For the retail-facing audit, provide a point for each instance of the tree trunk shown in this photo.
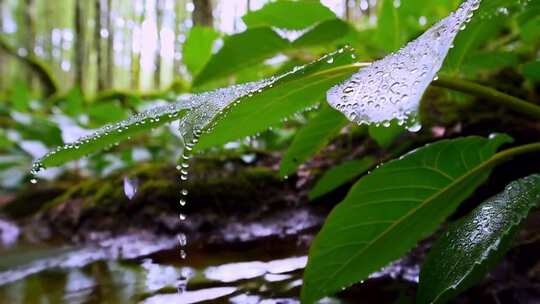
(202, 14)
(136, 56)
(79, 45)
(30, 34)
(100, 80)
(110, 45)
(177, 29)
(3, 76)
(157, 58)
(348, 10)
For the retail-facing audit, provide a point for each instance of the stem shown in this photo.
(509, 153)
(511, 102)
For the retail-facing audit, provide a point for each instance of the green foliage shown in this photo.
(197, 49)
(389, 210)
(339, 175)
(531, 70)
(323, 34)
(471, 246)
(311, 138)
(384, 136)
(286, 14)
(20, 97)
(296, 91)
(389, 32)
(235, 56)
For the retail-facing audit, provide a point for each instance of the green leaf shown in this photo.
(293, 15)
(389, 35)
(486, 61)
(531, 70)
(197, 49)
(241, 51)
(74, 102)
(339, 175)
(312, 138)
(529, 30)
(20, 96)
(110, 135)
(323, 34)
(273, 100)
(294, 92)
(388, 211)
(106, 112)
(384, 136)
(483, 27)
(474, 244)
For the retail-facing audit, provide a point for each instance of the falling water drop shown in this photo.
(130, 187)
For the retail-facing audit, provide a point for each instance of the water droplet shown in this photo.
(130, 187)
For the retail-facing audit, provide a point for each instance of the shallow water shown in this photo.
(246, 274)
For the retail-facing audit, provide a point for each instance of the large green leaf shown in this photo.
(286, 14)
(280, 97)
(340, 175)
(241, 51)
(312, 138)
(197, 49)
(471, 246)
(388, 211)
(294, 92)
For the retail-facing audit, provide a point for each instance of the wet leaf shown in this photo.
(474, 244)
(286, 14)
(312, 138)
(391, 88)
(296, 91)
(388, 211)
(241, 51)
(339, 175)
(110, 135)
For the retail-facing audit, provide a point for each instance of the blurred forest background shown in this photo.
(105, 227)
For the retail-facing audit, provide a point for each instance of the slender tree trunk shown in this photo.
(3, 76)
(348, 10)
(100, 81)
(30, 35)
(110, 45)
(79, 45)
(202, 14)
(136, 56)
(177, 28)
(157, 58)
